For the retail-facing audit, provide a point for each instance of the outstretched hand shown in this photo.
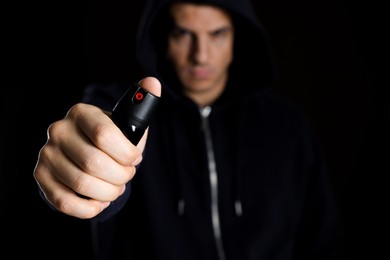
(87, 161)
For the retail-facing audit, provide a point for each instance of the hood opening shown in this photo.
(252, 52)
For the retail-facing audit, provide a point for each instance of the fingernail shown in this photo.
(105, 205)
(137, 161)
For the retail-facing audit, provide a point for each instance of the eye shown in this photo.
(220, 33)
(178, 33)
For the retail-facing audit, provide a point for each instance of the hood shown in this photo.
(252, 68)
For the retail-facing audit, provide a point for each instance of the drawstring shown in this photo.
(237, 174)
(174, 136)
(237, 179)
(238, 207)
(181, 206)
(176, 146)
(178, 169)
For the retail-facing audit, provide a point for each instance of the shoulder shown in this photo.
(103, 95)
(268, 102)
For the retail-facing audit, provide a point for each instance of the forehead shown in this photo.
(200, 16)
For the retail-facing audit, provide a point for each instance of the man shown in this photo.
(227, 170)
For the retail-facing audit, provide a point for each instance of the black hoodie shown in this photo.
(242, 179)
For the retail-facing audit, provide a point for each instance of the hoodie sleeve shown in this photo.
(104, 96)
(320, 234)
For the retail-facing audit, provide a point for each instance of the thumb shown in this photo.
(153, 86)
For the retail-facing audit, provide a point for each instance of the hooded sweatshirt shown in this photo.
(241, 179)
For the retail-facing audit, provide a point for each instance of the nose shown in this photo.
(199, 52)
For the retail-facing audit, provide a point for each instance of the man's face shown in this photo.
(200, 48)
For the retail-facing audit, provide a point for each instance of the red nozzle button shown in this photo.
(138, 97)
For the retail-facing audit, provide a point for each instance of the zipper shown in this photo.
(215, 217)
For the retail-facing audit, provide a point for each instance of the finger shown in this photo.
(95, 162)
(141, 144)
(65, 137)
(104, 134)
(64, 199)
(65, 171)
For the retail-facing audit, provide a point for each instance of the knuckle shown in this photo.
(64, 206)
(92, 162)
(101, 134)
(57, 131)
(76, 110)
(81, 183)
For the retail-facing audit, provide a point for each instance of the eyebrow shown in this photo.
(216, 30)
(223, 29)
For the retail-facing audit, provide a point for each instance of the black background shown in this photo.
(329, 55)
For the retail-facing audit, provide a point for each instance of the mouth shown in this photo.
(199, 73)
